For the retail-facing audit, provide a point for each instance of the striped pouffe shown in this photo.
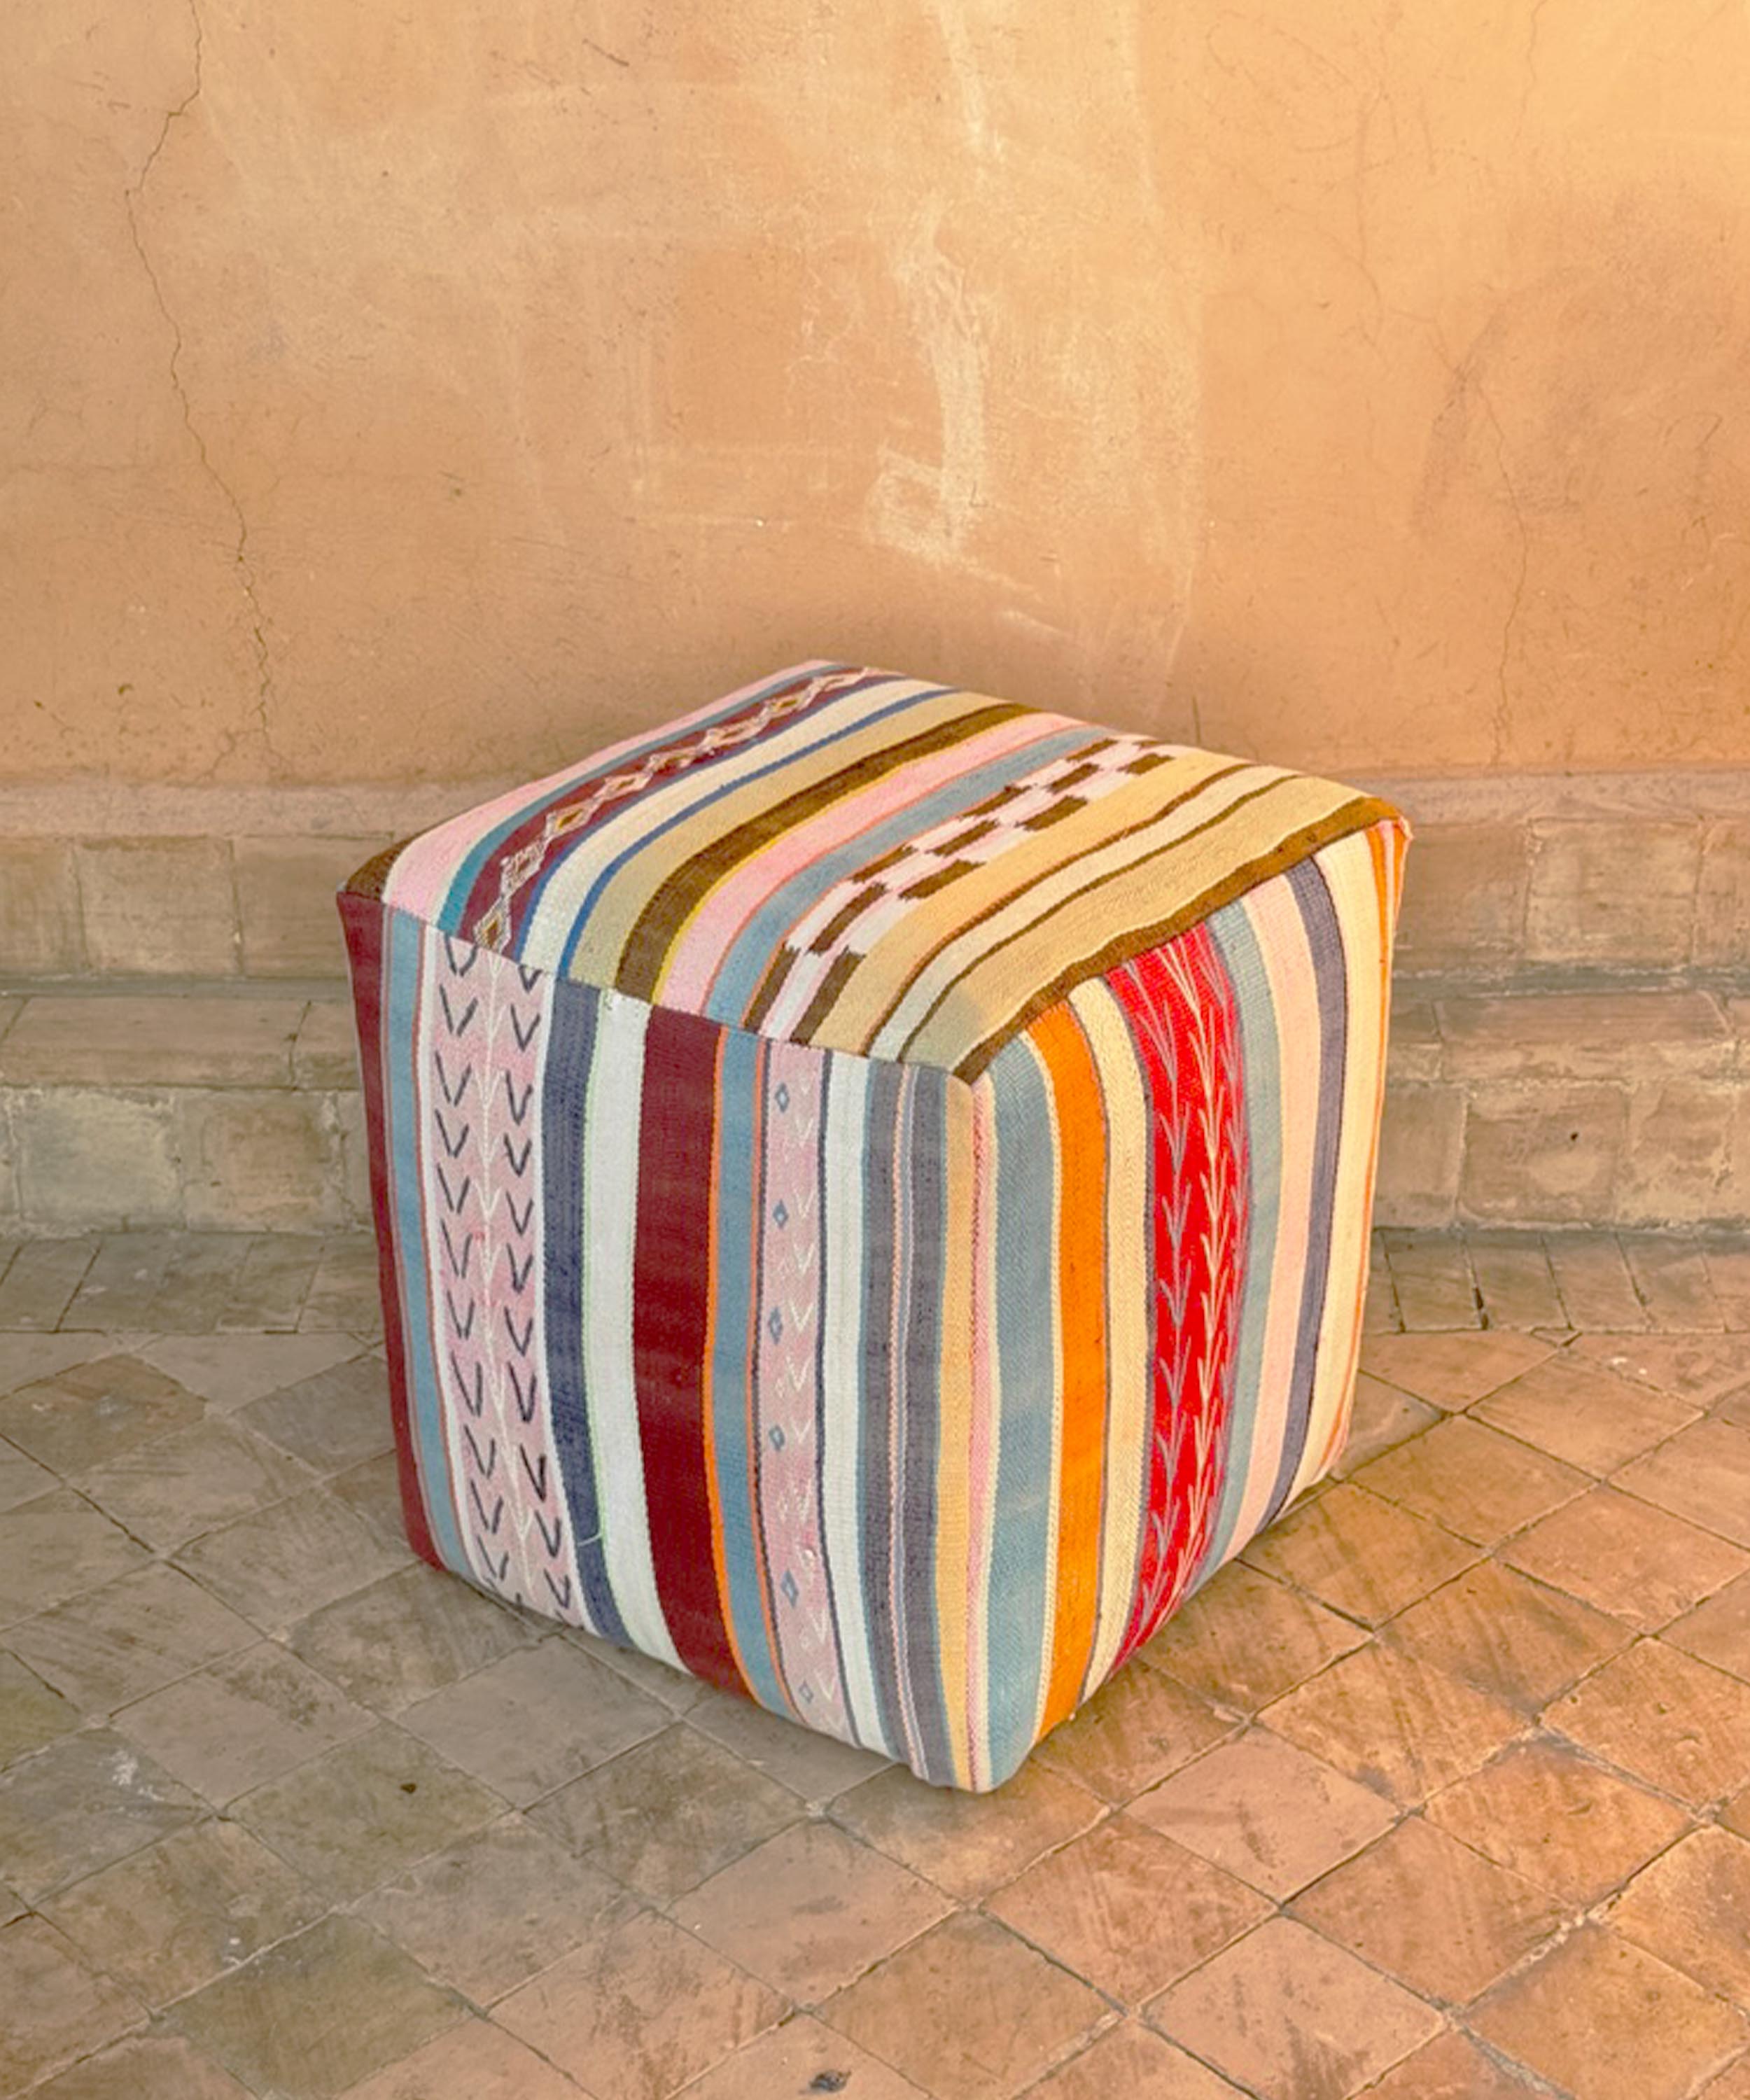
(873, 1185)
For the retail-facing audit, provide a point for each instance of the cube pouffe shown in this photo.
(872, 1184)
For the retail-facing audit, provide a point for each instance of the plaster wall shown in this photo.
(397, 393)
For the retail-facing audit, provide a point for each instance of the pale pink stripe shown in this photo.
(425, 870)
(698, 953)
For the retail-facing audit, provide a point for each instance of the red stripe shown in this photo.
(671, 1332)
(1185, 1026)
(362, 919)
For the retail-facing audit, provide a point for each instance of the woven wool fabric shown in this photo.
(873, 1184)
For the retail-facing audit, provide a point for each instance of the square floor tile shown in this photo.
(1452, 2067)
(967, 1844)
(284, 1563)
(158, 2066)
(534, 1719)
(1579, 1412)
(1511, 1636)
(969, 2012)
(1430, 1912)
(334, 1418)
(167, 1491)
(1451, 1371)
(230, 1370)
(639, 2011)
(22, 1480)
(816, 1766)
(57, 2007)
(242, 1723)
(1698, 1368)
(1138, 1726)
(1284, 2011)
(1702, 1474)
(1635, 1562)
(373, 1493)
(489, 1914)
(1394, 1723)
(667, 1814)
(802, 2056)
(809, 1910)
(1599, 2016)
(56, 1547)
(95, 1411)
(317, 2014)
(1691, 1908)
(410, 1635)
(174, 1916)
(32, 1713)
(361, 1813)
(476, 2061)
(1266, 1811)
(1676, 1722)
(83, 1803)
(117, 1643)
(1558, 1819)
(1380, 1419)
(1363, 1556)
(1131, 2063)
(1719, 1631)
(1096, 1908)
(1244, 1639)
(1472, 1480)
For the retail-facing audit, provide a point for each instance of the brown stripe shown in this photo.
(770, 985)
(838, 973)
(818, 1013)
(372, 878)
(654, 934)
(847, 913)
(1359, 815)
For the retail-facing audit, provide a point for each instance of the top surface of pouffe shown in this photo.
(842, 857)
(872, 1184)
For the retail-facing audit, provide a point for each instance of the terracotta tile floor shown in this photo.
(1443, 1792)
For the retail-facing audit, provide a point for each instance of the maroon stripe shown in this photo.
(670, 1330)
(362, 919)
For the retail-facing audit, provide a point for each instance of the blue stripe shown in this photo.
(403, 948)
(1026, 1367)
(741, 1084)
(1324, 940)
(570, 1051)
(1237, 946)
(782, 764)
(448, 912)
(750, 955)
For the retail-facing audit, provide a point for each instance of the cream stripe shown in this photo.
(798, 749)
(1280, 933)
(1077, 920)
(954, 1458)
(1129, 1284)
(841, 1387)
(610, 1228)
(1348, 870)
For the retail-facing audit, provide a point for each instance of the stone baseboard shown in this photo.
(236, 1107)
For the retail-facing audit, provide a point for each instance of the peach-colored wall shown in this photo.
(427, 392)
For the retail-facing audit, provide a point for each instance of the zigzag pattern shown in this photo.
(486, 1051)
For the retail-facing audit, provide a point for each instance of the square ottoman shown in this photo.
(873, 1186)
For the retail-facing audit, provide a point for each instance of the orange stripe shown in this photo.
(1081, 1348)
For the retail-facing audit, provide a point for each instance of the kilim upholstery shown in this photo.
(872, 1184)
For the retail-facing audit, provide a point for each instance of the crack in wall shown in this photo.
(240, 554)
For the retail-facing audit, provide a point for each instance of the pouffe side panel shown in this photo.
(685, 1335)
(1183, 1155)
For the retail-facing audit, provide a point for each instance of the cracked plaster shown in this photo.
(421, 398)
